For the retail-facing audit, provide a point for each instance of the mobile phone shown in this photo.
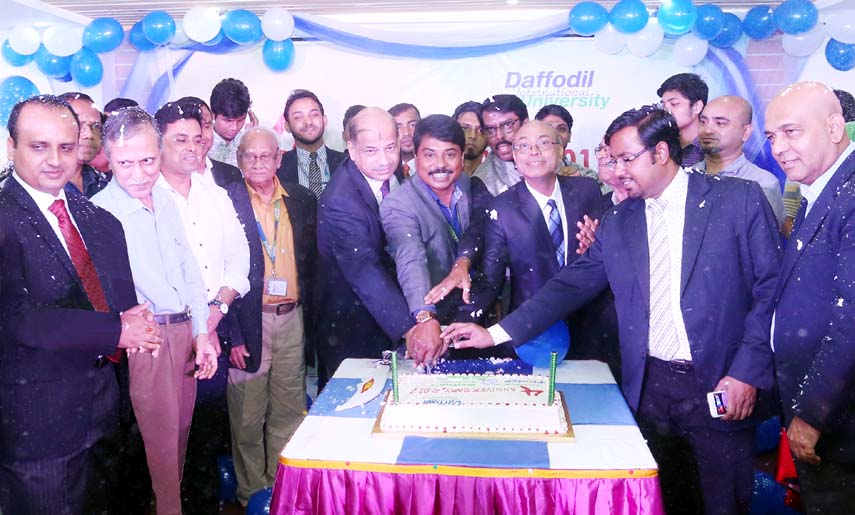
(717, 402)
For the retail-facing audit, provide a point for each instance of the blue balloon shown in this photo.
(767, 434)
(138, 39)
(537, 351)
(228, 481)
(52, 65)
(242, 26)
(12, 90)
(677, 17)
(588, 18)
(759, 23)
(86, 68)
(259, 503)
(841, 56)
(14, 58)
(629, 16)
(730, 33)
(278, 55)
(103, 35)
(796, 16)
(158, 27)
(768, 496)
(710, 21)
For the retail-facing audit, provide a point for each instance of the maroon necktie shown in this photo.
(384, 189)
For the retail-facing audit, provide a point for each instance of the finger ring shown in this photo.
(443, 290)
(148, 329)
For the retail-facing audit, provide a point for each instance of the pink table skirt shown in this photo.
(337, 491)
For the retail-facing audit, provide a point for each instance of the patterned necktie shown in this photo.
(384, 189)
(556, 232)
(663, 341)
(316, 180)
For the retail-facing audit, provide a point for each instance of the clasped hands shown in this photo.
(140, 333)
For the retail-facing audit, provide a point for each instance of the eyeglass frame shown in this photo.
(611, 164)
(506, 126)
(543, 145)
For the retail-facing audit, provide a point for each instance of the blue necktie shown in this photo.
(556, 232)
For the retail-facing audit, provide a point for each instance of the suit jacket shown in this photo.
(422, 242)
(815, 318)
(50, 335)
(287, 171)
(225, 173)
(361, 310)
(301, 206)
(730, 264)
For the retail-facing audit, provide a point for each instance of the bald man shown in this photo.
(814, 322)
(361, 309)
(725, 127)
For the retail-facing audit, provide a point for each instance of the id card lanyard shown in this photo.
(270, 248)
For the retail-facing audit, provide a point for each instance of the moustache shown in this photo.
(439, 171)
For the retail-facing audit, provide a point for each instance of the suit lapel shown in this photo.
(362, 188)
(634, 227)
(531, 211)
(572, 213)
(695, 225)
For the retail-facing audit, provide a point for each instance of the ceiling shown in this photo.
(129, 12)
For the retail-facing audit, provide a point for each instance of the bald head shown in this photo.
(805, 126)
(373, 143)
(259, 136)
(258, 157)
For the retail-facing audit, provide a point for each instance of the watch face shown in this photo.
(224, 308)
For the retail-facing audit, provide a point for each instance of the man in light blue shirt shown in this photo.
(162, 385)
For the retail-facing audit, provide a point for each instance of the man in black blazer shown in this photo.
(310, 163)
(267, 381)
(66, 305)
(692, 261)
(814, 325)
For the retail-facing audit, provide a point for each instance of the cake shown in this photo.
(475, 405)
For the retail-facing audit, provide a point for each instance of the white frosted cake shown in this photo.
(501, 406)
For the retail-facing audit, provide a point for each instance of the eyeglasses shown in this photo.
(506, 126)
(612, 163)
(264, 158)
(601, 151)
(543, 145)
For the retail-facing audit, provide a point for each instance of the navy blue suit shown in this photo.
(815, 322)
(361, 310)
(287, 171)
(59, 412)
(730, 263)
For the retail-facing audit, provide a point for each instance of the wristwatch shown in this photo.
(222, 306)
(424, 315)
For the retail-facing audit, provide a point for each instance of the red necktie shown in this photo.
(406, 170)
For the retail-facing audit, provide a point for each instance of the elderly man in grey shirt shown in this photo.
(725, 127)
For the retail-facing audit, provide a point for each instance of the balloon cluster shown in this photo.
(12, 90)
(629, 25)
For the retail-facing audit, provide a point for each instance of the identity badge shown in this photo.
(277, 286)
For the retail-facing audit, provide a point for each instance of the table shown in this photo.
(332, 464)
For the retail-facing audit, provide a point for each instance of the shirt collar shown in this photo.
(541, 199)
(812, 192)
(305, 155)
(43, 200)
(675, 192)
(126, 204)
(455, 196)
(278, 193)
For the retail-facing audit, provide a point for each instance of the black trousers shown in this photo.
(828, 487)
(701, 469)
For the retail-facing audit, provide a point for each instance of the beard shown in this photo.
(712, 149)
(307, 141)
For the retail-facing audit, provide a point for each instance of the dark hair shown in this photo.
(468, 107)
(397, 109)
(119, 103)
(126, 123)
(441, 127)
(505, 104)
(847, 102)
(299, 94)
(193, 104)
(555, 110)
(349, 114)
(654, 124)
(230, 98)
(68, 96)
(171, 112)
(50, 101)
(690, 85)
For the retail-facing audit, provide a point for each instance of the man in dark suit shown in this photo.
(692, 261)
(310, 163)
(66, 281)
(267, 381)
(814, 325)
(361, 310)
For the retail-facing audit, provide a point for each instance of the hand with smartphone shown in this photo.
(731, 399)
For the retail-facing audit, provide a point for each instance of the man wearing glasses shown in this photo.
(693, 263)
(502, 116)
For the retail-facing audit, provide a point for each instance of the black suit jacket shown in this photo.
(225, 173)
(50, 335)
(361, 310)
(730, 263)
(301, 206)
(815, 318)
(287, 171)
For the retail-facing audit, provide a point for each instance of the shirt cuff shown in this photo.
(428, 307)
(498, 334)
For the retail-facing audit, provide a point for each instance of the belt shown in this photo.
(279, 309)
(102, 361)
(172, 318)
(680, 366)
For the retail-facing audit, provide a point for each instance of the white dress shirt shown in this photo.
(375, 186)
(542, 201)
(43, 202)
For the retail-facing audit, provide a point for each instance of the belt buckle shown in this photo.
(279, 309)
(680, 366)
(101, 361)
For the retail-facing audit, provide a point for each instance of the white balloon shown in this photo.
(63, 40)
(804, 44)
(24, 40)
(609, 40)
(689, 50)
(202, 24)
(277, 24)
(646, 41)
(840, 24)
(180, 37)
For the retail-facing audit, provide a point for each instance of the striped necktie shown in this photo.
(663, 342)
(556, 232)
(316, 179)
